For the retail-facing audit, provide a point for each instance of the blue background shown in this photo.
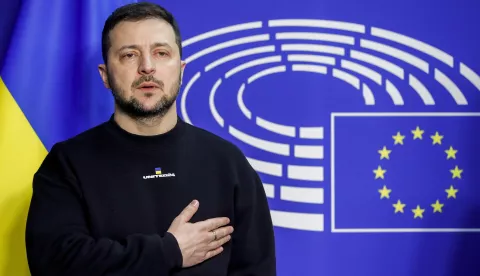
(55, 45)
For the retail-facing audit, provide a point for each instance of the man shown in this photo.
(145, 193)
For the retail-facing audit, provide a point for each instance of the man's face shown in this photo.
(144, 68)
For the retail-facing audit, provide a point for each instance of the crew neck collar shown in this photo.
(145, 142)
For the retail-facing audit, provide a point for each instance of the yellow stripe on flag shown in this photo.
(21, 153)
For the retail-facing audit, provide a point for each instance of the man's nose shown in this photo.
(147, 66)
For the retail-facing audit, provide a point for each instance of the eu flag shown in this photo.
(405, 172)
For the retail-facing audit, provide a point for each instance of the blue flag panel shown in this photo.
(405, 172)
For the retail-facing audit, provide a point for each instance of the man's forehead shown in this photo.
(143, 31)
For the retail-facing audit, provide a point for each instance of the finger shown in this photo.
(219, 242)
(213, 253)
(189, 211)
(220, 232)
(213, 223)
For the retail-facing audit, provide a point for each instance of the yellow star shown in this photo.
(384, 192)
(379, 173)
(417, 133)
(451, 153)
(456, 172)
(399, 206)
(451, 192)
(384, 153)
(437, 207)
(437, 139)
(418, 213)
(398, 138)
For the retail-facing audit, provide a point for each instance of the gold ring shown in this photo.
(214, 235)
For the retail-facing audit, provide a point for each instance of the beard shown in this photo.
(134, 108)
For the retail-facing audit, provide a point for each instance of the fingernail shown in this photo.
(194, 203)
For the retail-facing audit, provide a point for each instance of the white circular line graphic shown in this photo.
(352, 56)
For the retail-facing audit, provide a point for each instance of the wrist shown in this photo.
(173, 251)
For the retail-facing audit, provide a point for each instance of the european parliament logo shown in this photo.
(352, 128)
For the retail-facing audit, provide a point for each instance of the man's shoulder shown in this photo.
(62, 152)
(91, 137)
(212, 141)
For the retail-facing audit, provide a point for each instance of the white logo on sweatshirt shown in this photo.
(158, 174)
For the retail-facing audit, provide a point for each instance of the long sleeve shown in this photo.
(253, 249)
(58, 241)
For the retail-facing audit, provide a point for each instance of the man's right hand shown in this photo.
(201, 240)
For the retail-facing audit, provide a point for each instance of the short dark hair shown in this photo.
(136, 12)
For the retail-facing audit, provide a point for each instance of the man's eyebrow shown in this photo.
(128, 47)
(161, 44)
(136, 47)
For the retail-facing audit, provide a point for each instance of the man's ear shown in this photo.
(182, 68)
(102, 69)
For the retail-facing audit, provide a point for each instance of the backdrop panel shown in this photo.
(361, 118)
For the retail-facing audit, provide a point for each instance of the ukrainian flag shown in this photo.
(50, 90)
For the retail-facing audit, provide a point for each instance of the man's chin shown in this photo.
(144, 108)
(144, 112)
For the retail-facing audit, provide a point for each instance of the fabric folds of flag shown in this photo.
(406, 172)
(50, 90)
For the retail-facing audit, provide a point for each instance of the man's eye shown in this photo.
(128, 55)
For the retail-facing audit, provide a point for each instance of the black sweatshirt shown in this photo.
(103, 201)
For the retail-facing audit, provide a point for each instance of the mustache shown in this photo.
(149, 78)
